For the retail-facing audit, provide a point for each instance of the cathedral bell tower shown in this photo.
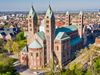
(49, 32)
(81, 24)
(32, 25)
(67, 18)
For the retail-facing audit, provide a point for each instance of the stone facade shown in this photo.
(49, 43)
(32, 25)
(49, 33)
(67, 19)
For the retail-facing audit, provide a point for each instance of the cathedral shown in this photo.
(46, 43)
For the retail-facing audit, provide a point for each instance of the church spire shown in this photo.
(81, 13)
(49, 33)
(32, 24)
(67, 18)
(49, 12)
(32, 12)
(67, 13)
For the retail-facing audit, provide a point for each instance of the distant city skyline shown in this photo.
(42, 5)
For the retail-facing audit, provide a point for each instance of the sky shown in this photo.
(42, 5)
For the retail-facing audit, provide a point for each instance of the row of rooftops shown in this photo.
(8, 31)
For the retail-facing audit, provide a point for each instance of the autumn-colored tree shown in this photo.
(8, 46)
(15, 48)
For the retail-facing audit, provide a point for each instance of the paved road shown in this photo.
(26, 72)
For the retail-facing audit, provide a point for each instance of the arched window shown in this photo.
(47, 21)
(31, 54)
(37, 55)
(57, 47)
(47, 26)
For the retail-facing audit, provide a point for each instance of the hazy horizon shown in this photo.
(42, 5)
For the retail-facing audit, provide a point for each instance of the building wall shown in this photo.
(50, 35)
(32, 28)
(65, 51)
(35, 58)
(97, 40)
(62, 52)
(67, 19)
(58, 51)
(23, 58)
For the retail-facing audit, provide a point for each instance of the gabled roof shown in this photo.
(35, 44)
(62, 36)
(49, 12)
(41, 35)
(32, 12)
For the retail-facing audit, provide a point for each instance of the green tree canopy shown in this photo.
(20, 36)
(8, 46)
(15, 48)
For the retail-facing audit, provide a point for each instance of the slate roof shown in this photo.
(35, 44)
(62, 36)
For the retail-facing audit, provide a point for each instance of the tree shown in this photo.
(2, 42)
(20, 36)
(88, 72)
(6, 65)
(15, 48)
(8, 46)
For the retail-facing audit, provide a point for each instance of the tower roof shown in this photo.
(81, 13)
(49, 12)
(35, 44)
(41, 35)
(67, 13)
(32, 12)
